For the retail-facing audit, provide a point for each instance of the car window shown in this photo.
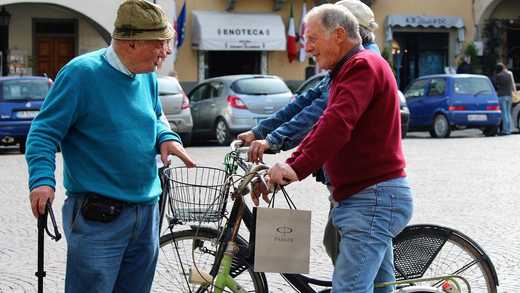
(200, 93)
(437, 87)
(168, 87)
(416, 89)
(215, 89)
(25, 89)
(472, 86)
(259, 86)
(311, 83)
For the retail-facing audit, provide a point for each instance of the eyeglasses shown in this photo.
(166, 44)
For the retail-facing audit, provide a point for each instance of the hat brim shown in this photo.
(167, 33)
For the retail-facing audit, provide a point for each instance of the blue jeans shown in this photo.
(505, 108)
(119, 256)
(367, 222)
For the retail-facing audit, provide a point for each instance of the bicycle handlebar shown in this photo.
(238, 146)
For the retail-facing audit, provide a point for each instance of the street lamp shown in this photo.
(5, 17)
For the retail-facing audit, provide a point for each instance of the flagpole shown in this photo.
(302, 55)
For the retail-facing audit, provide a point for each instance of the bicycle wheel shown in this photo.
(180, 250)
(425, 251)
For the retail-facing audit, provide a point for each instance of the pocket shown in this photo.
(70, 212)
(401, 214)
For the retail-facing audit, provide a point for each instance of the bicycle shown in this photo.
(211, 256)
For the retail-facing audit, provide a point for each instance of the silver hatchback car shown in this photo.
(224, 106)
(176, 107)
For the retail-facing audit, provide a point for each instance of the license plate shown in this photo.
(477, 117)
(26, 114)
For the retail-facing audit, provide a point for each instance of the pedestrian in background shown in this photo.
(103, 111)
(504, 86)
(286, 128)
(358, 140)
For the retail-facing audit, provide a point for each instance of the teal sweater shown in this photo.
(107, 124)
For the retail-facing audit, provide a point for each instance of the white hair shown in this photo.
(332, 16)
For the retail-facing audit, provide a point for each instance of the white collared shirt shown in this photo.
(112, 59)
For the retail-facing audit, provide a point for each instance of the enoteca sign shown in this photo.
(237, 31)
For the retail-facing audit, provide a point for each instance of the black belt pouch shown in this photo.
(101, 209)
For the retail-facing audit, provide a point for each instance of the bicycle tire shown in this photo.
(169, 275)
(423, 251)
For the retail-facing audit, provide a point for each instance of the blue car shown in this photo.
(20, 101)
(446, 102)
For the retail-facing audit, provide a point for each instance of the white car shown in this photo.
(176, 107)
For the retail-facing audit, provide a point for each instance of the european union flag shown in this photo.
(179, 27)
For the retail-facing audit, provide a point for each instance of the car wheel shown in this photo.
(186, 138)
(490, 130)
(222, 133)
(440, 127)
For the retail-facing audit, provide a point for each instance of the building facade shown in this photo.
(249, 36)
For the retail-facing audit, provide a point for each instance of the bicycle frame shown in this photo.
(228, 249)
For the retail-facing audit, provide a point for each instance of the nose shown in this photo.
(167, 47)
(309, 48)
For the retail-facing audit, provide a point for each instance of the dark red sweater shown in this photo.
(358, 137)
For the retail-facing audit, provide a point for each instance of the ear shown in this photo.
(340, 34)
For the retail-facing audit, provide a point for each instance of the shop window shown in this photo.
(221, 63)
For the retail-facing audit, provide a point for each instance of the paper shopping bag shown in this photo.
(282, 240)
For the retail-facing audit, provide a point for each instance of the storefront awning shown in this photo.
(424, 21)
(225, 31)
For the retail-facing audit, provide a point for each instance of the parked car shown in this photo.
(176, 107)
(20, 101)
(405, 113)
(225, 106)
(515, 110)
(446, 102)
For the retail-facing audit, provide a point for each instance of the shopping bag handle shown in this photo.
(288, 199)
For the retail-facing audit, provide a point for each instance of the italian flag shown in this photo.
(292, 46)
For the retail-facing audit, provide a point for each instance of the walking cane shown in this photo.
(42, 225)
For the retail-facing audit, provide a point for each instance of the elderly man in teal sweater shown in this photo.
(103, 111)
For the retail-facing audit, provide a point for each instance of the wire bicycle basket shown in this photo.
(198, 194)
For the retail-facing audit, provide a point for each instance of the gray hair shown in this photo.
(332, 16)
(367, 37)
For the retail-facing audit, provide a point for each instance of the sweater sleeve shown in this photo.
(59, 111)
(352, 94)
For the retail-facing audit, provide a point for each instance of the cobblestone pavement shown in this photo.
(467, 182)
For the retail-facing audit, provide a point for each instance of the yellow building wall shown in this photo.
(186, 64)
(461, 8)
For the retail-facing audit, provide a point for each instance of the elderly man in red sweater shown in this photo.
(358, 140)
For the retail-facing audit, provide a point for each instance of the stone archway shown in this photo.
(92, 9)
(101, 14)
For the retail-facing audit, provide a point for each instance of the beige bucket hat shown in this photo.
(363, 13)
(141, 20)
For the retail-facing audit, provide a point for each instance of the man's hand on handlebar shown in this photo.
(257, 149)
(247, 137)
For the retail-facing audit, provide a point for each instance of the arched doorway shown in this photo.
(44, 37)
(500, 32)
